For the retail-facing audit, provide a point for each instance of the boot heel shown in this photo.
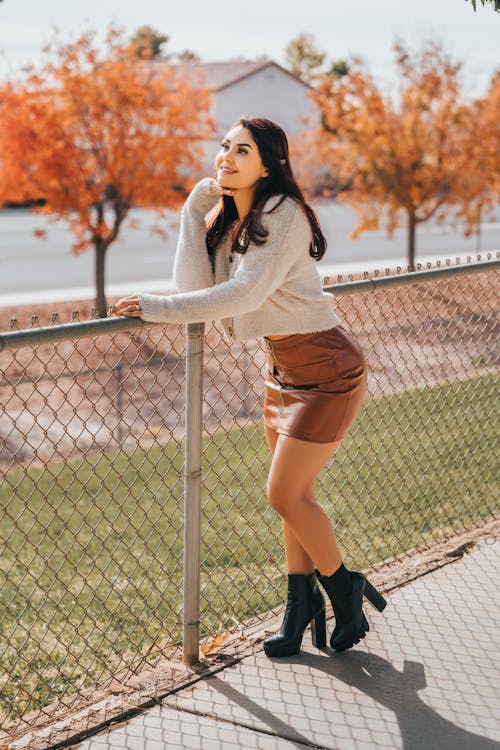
(375, 599)
(318, 630)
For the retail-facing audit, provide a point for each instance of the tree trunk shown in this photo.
(412, 230)
(478, 229)
(100, 254)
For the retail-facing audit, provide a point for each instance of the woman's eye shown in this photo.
(225, 147)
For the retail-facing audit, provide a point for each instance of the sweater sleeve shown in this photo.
(261, 271)
(192, 268)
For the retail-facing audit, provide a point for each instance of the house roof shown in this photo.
(220, 75)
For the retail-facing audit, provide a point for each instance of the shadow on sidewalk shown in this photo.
(421, 727)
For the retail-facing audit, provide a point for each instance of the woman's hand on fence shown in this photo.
(129, 306)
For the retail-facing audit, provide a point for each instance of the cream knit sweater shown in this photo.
(273, 289)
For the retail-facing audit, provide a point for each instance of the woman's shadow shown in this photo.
(421, 727)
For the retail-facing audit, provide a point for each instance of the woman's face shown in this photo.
(238, 163)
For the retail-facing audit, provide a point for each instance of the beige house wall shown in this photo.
(271, 93)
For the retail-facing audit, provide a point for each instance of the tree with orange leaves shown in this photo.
(96, 133)
(480, 178)
(399, 155)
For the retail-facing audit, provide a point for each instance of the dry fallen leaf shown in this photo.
(216, 641)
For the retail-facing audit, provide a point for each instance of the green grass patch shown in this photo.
(91, 549)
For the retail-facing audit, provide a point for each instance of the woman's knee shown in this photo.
(276, 499)
(283, 499)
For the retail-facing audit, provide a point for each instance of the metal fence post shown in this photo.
(192, 491)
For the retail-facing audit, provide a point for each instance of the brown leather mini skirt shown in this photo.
(315, 385)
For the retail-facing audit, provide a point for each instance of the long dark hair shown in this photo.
(273, 149)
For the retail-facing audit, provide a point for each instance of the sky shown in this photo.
(219, 30)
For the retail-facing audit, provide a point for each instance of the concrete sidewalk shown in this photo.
(426, 676)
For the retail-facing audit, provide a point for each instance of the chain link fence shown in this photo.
(95, 466)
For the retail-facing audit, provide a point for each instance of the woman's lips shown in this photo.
(226, 170)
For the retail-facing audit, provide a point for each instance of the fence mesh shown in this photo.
(91, 454)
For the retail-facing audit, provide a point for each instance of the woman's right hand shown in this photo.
(219, 190)
(204, 196)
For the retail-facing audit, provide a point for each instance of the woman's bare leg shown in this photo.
(308, 536)
(297, 559)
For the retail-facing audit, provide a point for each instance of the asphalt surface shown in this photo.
(45, 270)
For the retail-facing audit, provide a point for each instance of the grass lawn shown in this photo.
(91, 550)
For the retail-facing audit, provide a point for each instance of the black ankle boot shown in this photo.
(350, 622)
(305, 604)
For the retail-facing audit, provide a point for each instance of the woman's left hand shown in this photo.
(128, 306)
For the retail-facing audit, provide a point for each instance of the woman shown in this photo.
(246, 255)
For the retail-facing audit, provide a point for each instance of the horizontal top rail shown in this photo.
(412, 277)
(79, 330)
(67, 331)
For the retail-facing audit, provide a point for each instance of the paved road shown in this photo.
(36, 269)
